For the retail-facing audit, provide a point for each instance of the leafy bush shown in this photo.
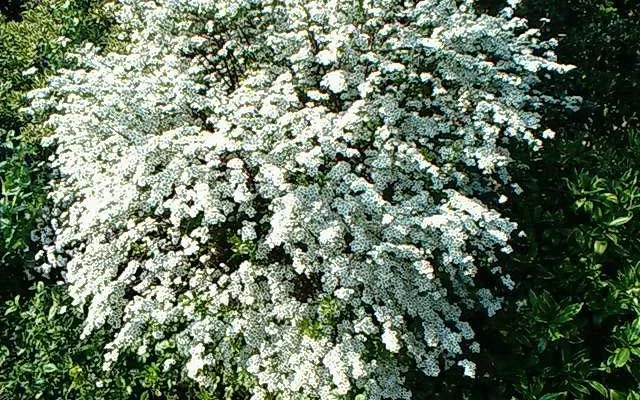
(573, 325)
(43, 357)
(22, 197)
(297, 195)
(31, 47)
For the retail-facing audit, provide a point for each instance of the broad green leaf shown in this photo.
(620, 357)
(52, 311)
(50, 367)
(600, 246)
(633, 395)
(617, 395)
(568, 313)
(599, 387)
(578, 387)
(634, 332)
(554, 396)
(620, 221)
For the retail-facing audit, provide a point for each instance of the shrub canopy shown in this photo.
(299, 193)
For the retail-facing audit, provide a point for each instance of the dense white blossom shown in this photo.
(291, 188)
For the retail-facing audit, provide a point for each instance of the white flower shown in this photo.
(335, 81)
(194, 366)
(326, 57)
(469, 368)
(166, 365)
(29, 71)
(329, 234)
(390, 340)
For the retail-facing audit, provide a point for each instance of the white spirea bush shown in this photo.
(287, 190)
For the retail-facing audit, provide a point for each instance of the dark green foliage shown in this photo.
(572, 324)
(571, 327)
(602, 37)
(10, 9)
(22, 188)
(43, 357)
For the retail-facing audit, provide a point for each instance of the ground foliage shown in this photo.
(43, 357)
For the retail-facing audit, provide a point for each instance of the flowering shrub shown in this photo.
(297, 193)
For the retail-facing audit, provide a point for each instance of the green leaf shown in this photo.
(554, 396)
(600, 246)
(578, 387)
(620, 357)
(633, 395)
(634, 332)
(617, 395)
(620, 221)
(4, 354)
(50, 367)
(75, 371)
(599, 387)
(568, 313)
(52, 311)
(144, 396)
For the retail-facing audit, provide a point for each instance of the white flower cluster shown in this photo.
(290, 188)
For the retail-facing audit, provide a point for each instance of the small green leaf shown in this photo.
(599, 387)
(4, 354)
(634, 332)
(52, 311)
(620, 221)
(568, 313)
(50, 367)
(75, 371)
(144, 396)
(600, 246)
(620, 357)
(554, 396)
